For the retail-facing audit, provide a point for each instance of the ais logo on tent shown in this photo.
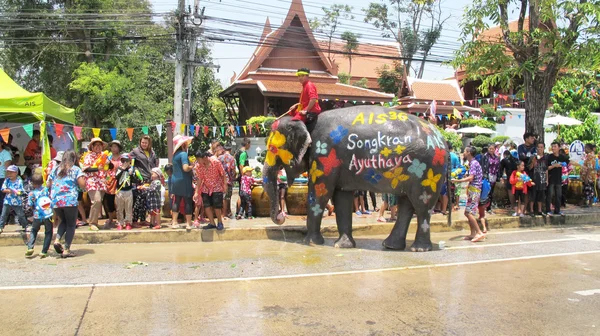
(30, 103)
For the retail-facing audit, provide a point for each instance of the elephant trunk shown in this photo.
(269, 174)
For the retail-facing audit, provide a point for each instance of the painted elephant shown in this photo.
(360, 148)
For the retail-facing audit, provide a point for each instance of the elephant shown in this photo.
(360, 148)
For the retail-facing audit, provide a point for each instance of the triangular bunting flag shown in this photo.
(182, 129)
(130, 133)
(237, 128)
(479, 101)
(96, 132)
(5, 133)
(197, 130)
(444, 102)
(439, 116)
(145, 130)
(49, 127)
(452, 102)
(173, 125)
(59, 129)
(159, 129)
(192, 130)
(467, 114)
(70, 134)
(223, 130)
(244, 128)
(214, 131)
(205, 129)
(257, 128)
(488, 100)
(28, 129)
(503, 118)
(113, 133)
(77, 131)
(519, 116)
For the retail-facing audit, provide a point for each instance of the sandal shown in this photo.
(478, 238)
(67, 254)
(58, 248)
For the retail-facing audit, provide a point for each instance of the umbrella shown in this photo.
(561, 120)
(476, 130)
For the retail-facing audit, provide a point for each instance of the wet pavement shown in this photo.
(539, 281)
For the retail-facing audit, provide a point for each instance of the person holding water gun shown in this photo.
(520, 181)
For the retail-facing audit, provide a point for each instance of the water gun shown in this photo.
(564, 164)
(458, 173)
(192, 159)
(524, 177)
(103, 160)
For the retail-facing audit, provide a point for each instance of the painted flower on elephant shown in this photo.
(316, 209)
(386, 152)
(425, 226)
(425, 197)
(439, 157)
(276, 141)
(330, 162)
(396, 176)
(338, 134)
(431, 180)
(372, 176)
(321, 148)
(314, 172)
(320, 189)
(399, 149)
(417, 168)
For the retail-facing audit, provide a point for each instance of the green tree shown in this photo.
(452, 138)
(478, 122)
(344, 78)
(361, 83)
(389, 79)
(329, 23)
(548, 36)
(416, 25)
(574, 95)
(350, 47)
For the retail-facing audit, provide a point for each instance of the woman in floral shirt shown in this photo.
(64, 182)
(588, 174)
(96, 180)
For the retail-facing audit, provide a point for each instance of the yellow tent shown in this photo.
(21, 106)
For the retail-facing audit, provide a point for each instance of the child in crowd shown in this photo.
(485, 199)
(39, 200)
(13, 188)
(540, 178)
(520, 181)
(153, 202)
(199, 210)
(567, 168)
(246, 193)
(27, 187)
(124, 198)
(359, 203)
(282, 187)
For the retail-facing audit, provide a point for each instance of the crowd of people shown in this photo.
(129, 186)
(536, 181)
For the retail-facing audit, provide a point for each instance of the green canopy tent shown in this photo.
(18, 105)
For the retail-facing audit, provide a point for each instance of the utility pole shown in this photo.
(177, 99)
(190, 77)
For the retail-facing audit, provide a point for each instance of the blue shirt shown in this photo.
(181, 181)
(12, 198)
(64, 189)
(4, 156)
(39, 201)
(454, 160)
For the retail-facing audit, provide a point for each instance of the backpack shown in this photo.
(486, 187)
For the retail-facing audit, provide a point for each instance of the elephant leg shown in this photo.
(342, 200)
(397, 238)
(316, 207)
(423, 236)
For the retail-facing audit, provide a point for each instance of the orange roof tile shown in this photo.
(435, 89)
(325, 90)
(362, 66)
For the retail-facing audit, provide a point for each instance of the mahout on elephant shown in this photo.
(360, 148)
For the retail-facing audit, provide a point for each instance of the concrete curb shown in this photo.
(289, 232)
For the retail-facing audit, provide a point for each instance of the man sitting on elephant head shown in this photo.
(308, 108)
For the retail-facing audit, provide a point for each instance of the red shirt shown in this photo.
(309, 91)
(211, 177)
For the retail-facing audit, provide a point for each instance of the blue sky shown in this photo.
(233, 57)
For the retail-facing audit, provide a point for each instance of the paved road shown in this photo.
(518, 282)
